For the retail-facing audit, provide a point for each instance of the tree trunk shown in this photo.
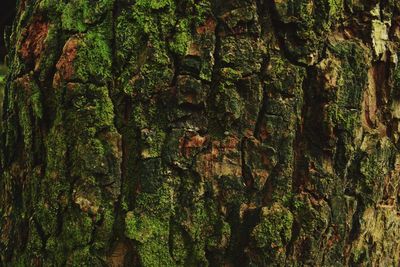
(201, 133)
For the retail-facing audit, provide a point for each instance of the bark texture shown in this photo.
(202, 133)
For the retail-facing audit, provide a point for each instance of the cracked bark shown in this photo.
(201, 133)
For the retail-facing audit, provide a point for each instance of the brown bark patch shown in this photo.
(222, 160)
(65, 64)
(370, 105)
(117, 257)
(22, 6)
(395, 30)
(208, 27)
(24, 82)
(379, 73)
(263, 134)
(334, 238)
(6, 229)
(194, 49)
(329, 73)
(34, 39)
(188, 144)
(72, 86)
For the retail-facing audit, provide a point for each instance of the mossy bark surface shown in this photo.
(201, 133)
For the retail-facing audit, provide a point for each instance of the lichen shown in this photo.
(380, 37)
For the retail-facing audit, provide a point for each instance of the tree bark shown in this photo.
(201, 133)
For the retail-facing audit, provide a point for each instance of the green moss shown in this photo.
(93, 61)
(155, 75)
(35, 243)
(84, 257)
(182, 37)
(71, 245)
(190, 90)
(50, 55)
(51, 191)
(36, 100)
(336, 8)
(396, 80)
(283, 77)
(313, 22)
(329, 11)
(91, 122)
(347, 120)
(154, 24)
(92, 160)
(77, 230)
(242, 54)
(127, 34)
(229, 105)
(154, 4)
(139, 44)
(72, 18)
(143, 228)
(21, 262)
(374, 167)
(197, 219)
(26, 125)
(274, 231)
(149, 223)
(29, 109)
(152, 142)
(3, 71)
(57, 256)
(131, 227)
(47, 214)
(152, 235)
(139, 116)
(315, 221)
(359, 256)
(233, 188)
(56, 149)
(353, 73)
(243, 15)
(91, 109)
(155, 253)
(156, 202)
(78, 15)
(105, 229)
(147, 38)
(222, 237)
(203, 10)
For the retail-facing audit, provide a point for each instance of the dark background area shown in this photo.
(7, 13)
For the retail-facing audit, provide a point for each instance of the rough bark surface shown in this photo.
(201, 133)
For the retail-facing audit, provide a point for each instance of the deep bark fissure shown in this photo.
(165, 133)
(263, 110)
